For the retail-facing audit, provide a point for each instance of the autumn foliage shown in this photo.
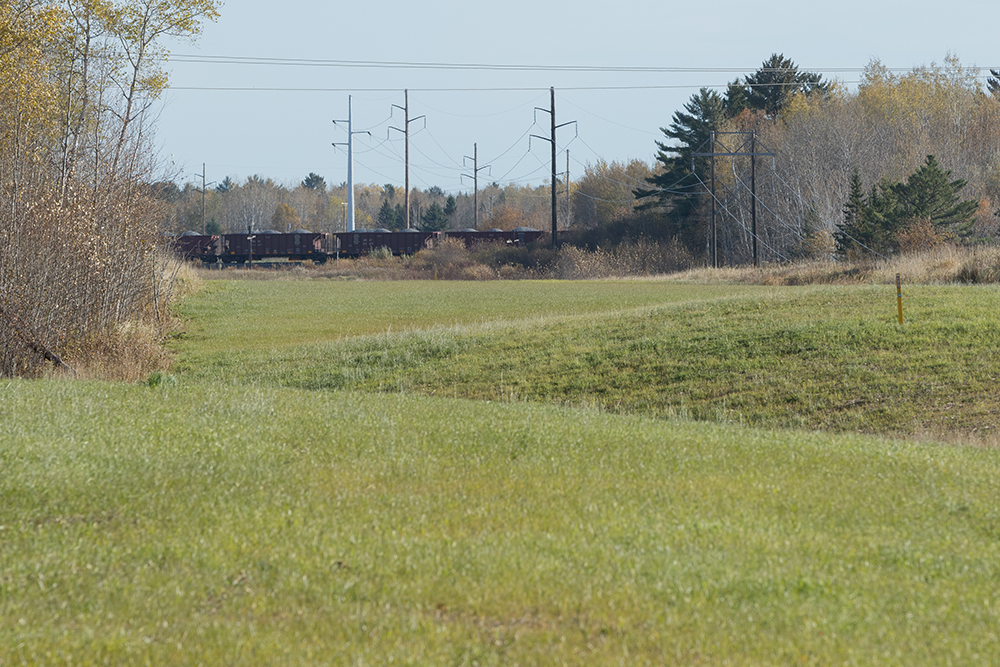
(83, 282)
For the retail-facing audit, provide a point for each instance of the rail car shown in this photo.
(520, 236)
(318, 246)
(192, 245)
(298, 245)
(404, 242)
(241, 248)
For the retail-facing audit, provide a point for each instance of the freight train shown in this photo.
(318, 247)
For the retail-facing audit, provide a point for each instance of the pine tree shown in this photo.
(388, 217)
(876, 221)
(930, 194)
(771, 87)
(314, 182)
(705, 112)
(433, 219)
(855, 231)
(674, 186)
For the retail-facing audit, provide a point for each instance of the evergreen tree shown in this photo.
(930, 194)
(674, 186)
(450, 206)
(854, 230)
(225, 186)
(869, 223)
(774, 84)
(433, 219)
(875, 222)
(692, 130)
(314, 182)
(736, 99)
(388, 217)
(882, 214)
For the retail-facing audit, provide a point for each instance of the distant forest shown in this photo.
(904, 161)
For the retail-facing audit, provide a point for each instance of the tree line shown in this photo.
(914, 143)
(902, 163)
(258, 203)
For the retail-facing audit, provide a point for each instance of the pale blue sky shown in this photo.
(287, 134)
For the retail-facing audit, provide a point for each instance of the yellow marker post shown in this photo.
(899, 299)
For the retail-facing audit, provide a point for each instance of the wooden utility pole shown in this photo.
(475, 184)
(475, 180)
(203, 228)
(715, 256)
(552, 139)
(753, 195)
(741, 151)
(406, 152)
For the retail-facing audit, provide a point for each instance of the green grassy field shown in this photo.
(832, 358)
(306, 488)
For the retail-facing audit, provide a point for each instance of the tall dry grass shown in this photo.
(451, 260)
(944, 263)
(640, 258)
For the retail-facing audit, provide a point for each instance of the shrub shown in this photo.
(642, 258)
(918, 236)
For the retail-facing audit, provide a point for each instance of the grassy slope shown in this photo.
(249, 522)
(820, 357)
(275, 314)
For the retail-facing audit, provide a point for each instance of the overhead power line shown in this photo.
(502, 67)
(513, 89)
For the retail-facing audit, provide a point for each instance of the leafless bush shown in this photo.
(919, 236)
(76, 276)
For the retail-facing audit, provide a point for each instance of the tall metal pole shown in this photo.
(406, 137)
(552, 140)
(555, 230)
(753, 194)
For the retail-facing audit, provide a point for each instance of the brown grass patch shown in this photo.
(942, 264)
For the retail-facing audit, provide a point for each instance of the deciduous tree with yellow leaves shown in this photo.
(79, 261)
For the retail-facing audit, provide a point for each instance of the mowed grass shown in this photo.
(832, 358)
(266, 315)
(313, 496)
(194, 524)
